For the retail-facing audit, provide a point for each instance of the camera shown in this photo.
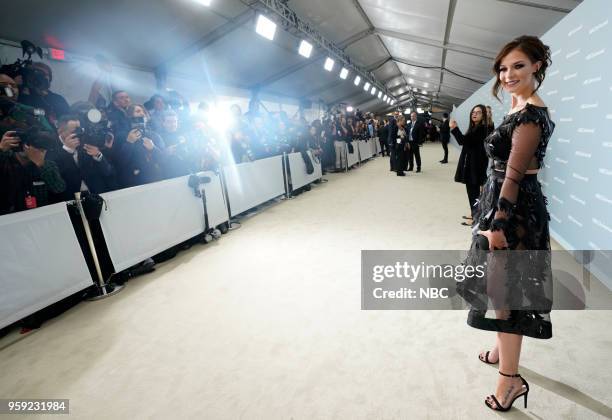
(94, 129)
(36, 138)
(140, 124)
(32, 77)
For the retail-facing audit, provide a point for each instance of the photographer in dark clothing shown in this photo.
(27, 177)
(179, 159)
(38, 95)
(82, 165)
(141, 157)
(17, 115)
(117, 115)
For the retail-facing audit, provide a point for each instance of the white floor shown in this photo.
(266, 323)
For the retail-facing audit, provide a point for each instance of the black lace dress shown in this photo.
(515, 293)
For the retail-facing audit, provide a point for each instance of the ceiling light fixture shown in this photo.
(265, 27)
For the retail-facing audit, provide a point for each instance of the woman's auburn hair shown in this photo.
(534, 49)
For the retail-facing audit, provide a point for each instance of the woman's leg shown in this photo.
(509, 356)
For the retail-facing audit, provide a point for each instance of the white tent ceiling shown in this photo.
(404, 43)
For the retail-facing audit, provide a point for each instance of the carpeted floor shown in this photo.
(266, 324)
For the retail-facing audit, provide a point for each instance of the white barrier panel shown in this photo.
(353, 158)
(40, 261)
(365, 150)
(376, 146)
(252, 183)
(297, 168)
(215, 202)
(145, 220)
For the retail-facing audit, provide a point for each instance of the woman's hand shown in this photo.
(497, 239)
(452, 124)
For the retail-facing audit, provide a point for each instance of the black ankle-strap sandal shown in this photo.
(498, 406)
(486, 360)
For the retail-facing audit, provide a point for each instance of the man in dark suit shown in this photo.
(81, 165)
(391, 141)
(445, 137)
(416, 136)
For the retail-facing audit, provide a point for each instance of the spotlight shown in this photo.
(343, 73)
(379, 95)
(407, 111)
(411, 81)
(385, 98)
(265, 27)
(393, 102)
(373, 91)
(366, 87)
(349, 109)
(424, 91)
(329, 64)
(357, 80)
(305, 49)
(420, 110)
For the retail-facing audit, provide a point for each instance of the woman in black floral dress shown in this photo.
(515, 296)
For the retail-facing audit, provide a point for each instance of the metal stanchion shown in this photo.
(231, 225)
(286, 175)
(103, 287)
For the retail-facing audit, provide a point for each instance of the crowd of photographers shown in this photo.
(50, 150)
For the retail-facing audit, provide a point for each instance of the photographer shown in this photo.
(81, 163)
(27, 177)
(179, 159)
(140, 159)
(37, 93)
(117, 115)
(16, 115)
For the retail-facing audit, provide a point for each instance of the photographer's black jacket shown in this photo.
(98, 176)
(54, 105)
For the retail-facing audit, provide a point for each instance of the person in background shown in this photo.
(179, 159)
(28, 179)
(39, 94)
(83, 166)
(445, 136)
(392, 143)
(416, 137)
(117, 116)
(102, 90)
(383, 134)
(401, 147)
(156, 106)
(141, 158)
(490, 125)
(472, 164)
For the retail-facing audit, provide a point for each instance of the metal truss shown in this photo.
(291, 20)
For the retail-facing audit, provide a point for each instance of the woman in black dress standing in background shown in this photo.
(472, 165)
(512, 216)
